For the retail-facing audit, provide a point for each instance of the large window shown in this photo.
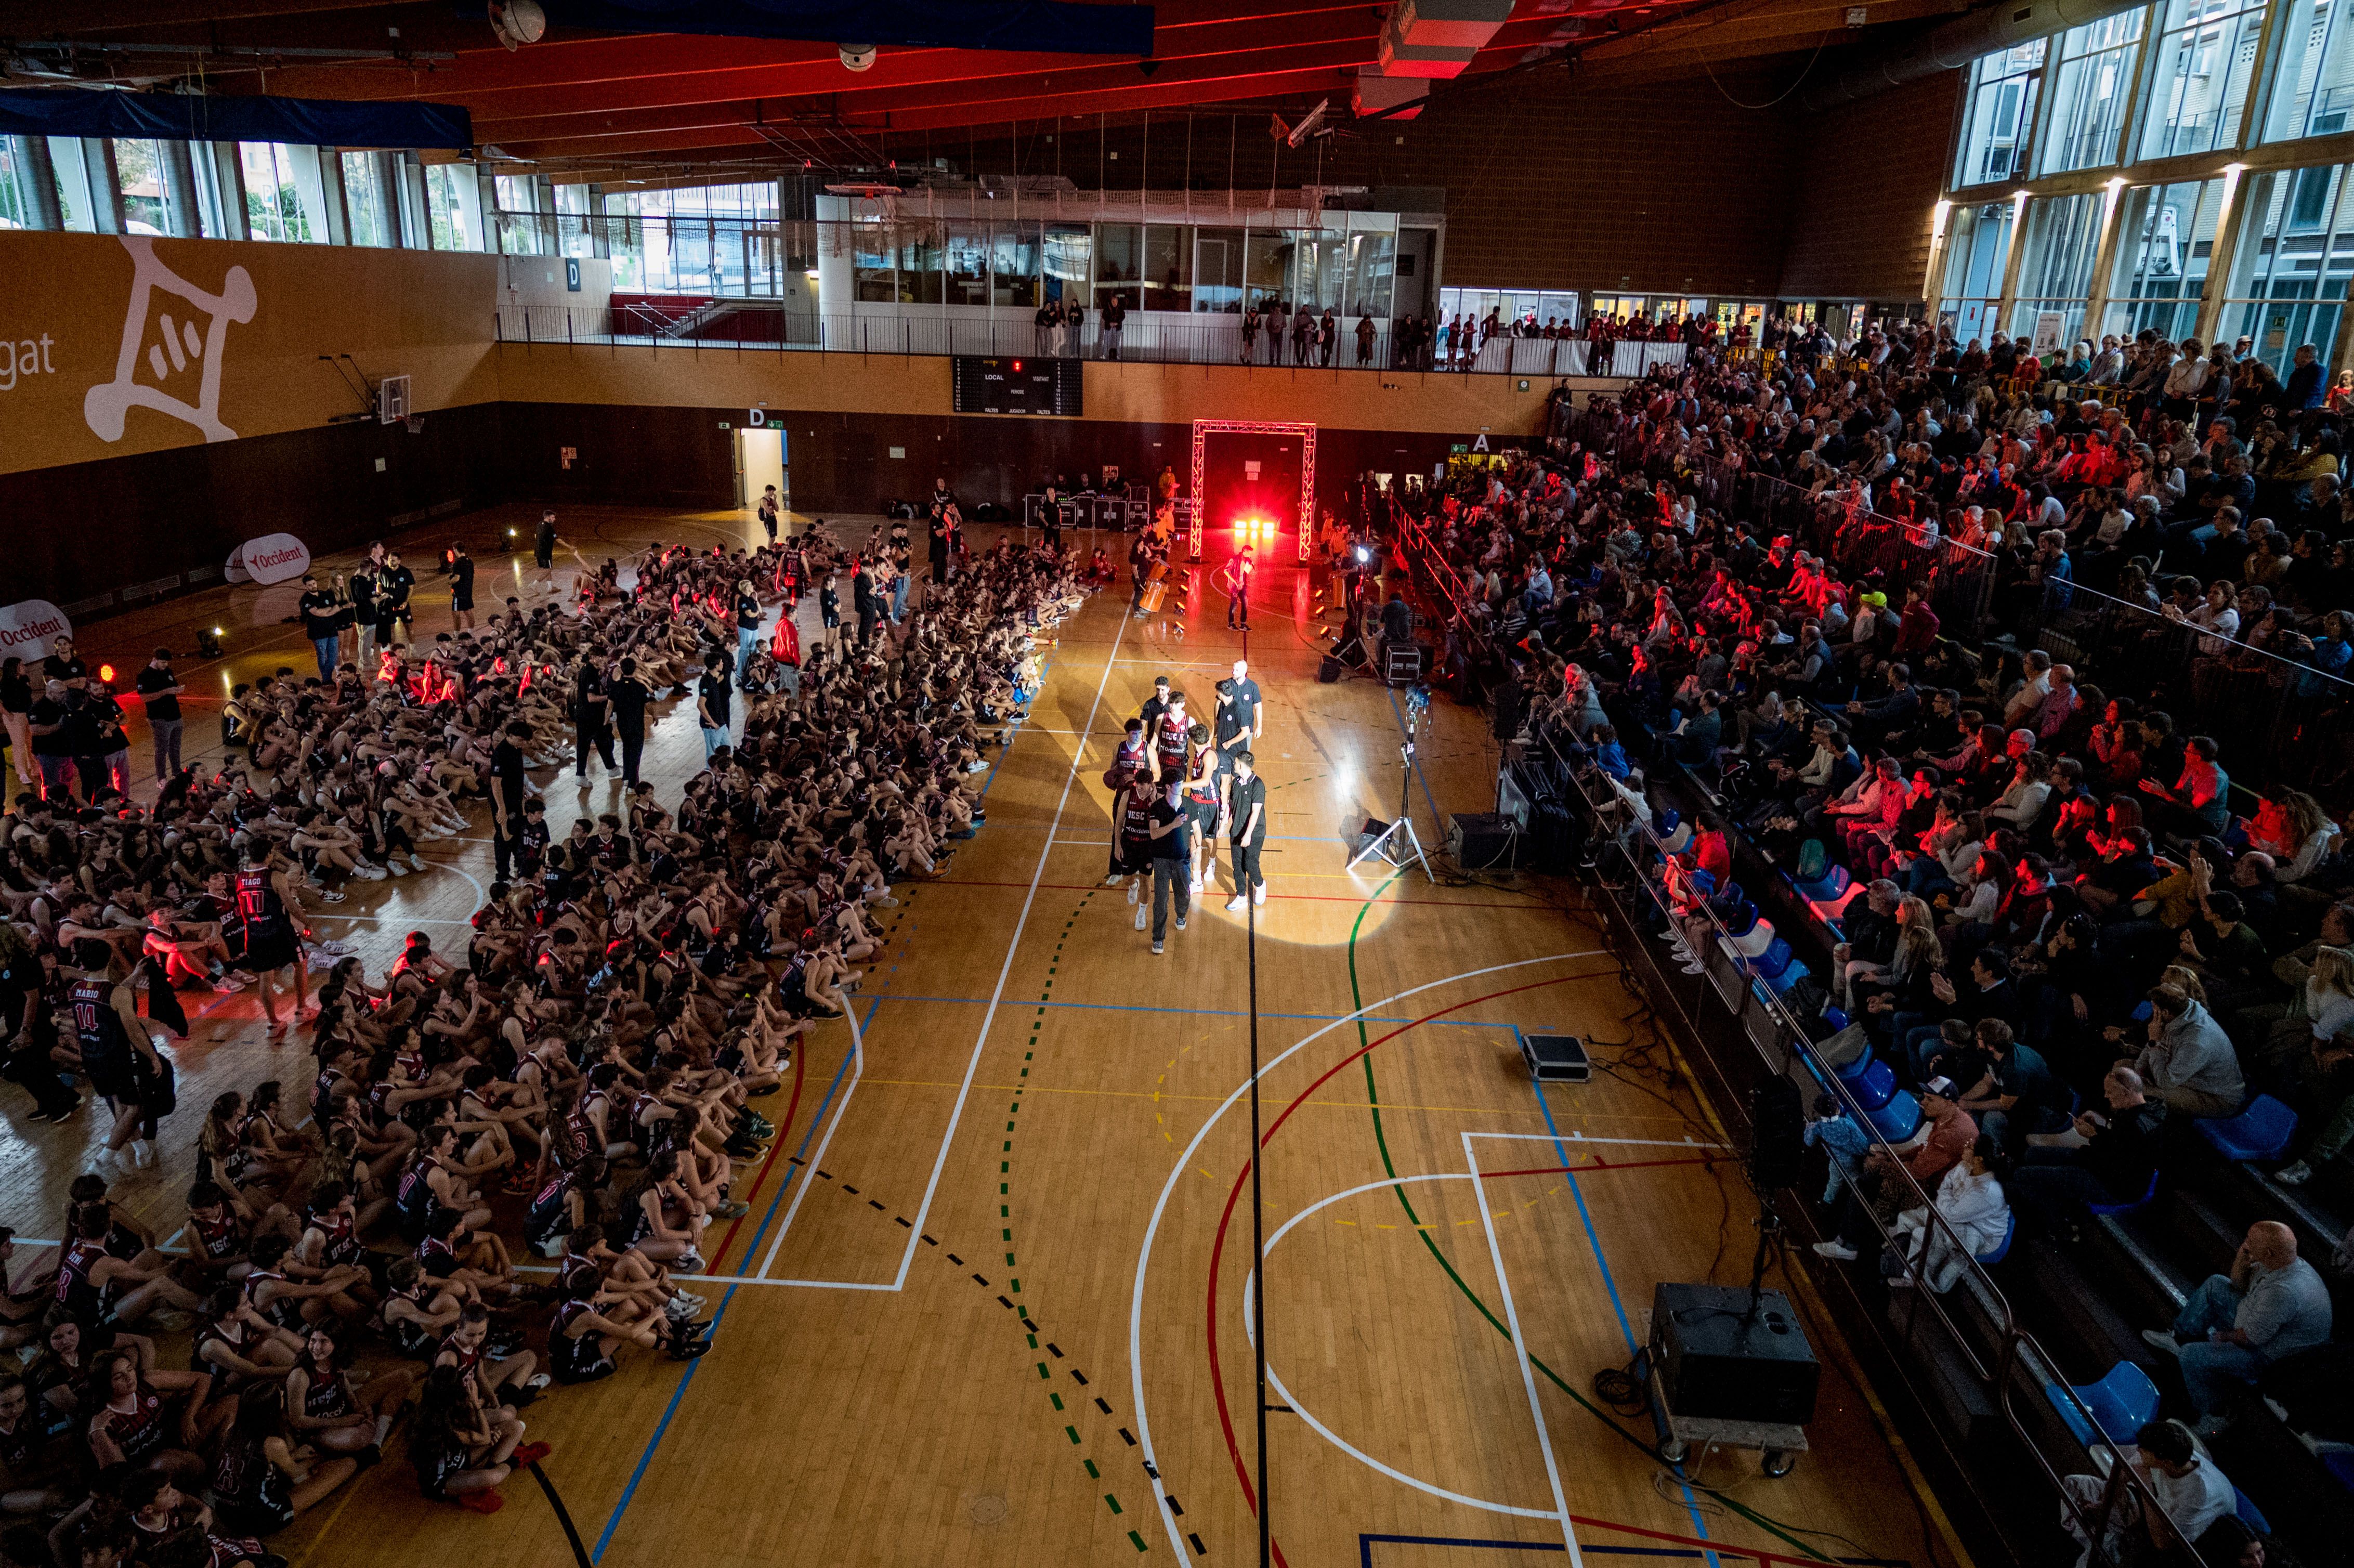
(2165, 236)
(1119, 263)
(2055, 270)
(284, 196)
(922, 259)
(2091, 88)
(1219, 269)
(2002, 115)
(17, 207)
(365, 204)
(2314, 75)
(1266, 267)
(453, 204)
(1976, 249)
(2295, 259)
(1168, 267)
(1372, 261)
(1068, 257)
(2200, 90)
(1014, 262)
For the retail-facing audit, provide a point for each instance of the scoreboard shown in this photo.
(1024, 386)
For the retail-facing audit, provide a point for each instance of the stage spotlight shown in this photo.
(106, 674)
(1365, 556)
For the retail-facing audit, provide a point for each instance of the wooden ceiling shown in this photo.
(578, 100)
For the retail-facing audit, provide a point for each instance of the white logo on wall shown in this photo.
(28, 626)
(172, 349)
(273, 558)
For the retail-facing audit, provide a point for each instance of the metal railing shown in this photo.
(1148, 336)
(1786, 1046)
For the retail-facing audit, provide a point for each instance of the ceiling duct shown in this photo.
(1955, 44)
(1437, 39)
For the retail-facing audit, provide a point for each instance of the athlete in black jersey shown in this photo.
(117, 1052)
(266, 914)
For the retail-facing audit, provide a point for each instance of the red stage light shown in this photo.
(106, 674)
(1017, 367)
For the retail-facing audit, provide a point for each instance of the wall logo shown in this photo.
(27, 627)
(273, 558)
(174, 346)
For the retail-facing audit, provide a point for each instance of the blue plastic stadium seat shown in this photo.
(1899, 1119)
(2249, 1514)
(1836, 1017)
(1740, 920)
(2131, 1205)
(1872, 1087)
(1777, 957)
(1755, 940)
(2122, 1402)
(2002, 1249)
(1792, 973)
(1831, 884)
(2260, 1132)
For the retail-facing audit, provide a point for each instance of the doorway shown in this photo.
(760, 463)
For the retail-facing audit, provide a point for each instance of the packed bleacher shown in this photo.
(1974, 726)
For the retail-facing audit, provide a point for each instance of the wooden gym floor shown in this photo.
(992, 1302)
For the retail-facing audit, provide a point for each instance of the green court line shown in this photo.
(1389, 1167)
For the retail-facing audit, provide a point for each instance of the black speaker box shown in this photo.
(1482, 841)
(1716, 1359)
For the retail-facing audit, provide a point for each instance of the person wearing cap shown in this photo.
(1948, 1132)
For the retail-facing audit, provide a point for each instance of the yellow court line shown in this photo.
(1328, 1105)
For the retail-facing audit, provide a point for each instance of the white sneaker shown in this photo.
(1194, 886)
(1114, 880)
(1235, 902)
(1139, 917)
(1131, 893)
(395, 867)
(2295, 1175)
(1258, 895)
(2159, 1340)
(415, 860)
(1834, 1249)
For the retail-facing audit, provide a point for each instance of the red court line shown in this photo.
(1720, 1548)
(1218, 1246)
(793, 1109)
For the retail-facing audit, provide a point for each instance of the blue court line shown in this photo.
(1594, 1239)
(662, 1428)
(1366, 1542)
(1204, 1011)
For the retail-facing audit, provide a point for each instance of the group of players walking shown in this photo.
(1179, 783)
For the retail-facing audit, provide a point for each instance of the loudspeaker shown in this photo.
(1375, 828)
(1716, 1358)
(1777, 1135)
(1482, 841)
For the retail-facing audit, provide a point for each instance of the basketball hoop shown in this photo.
(873, 222)
(415, 424)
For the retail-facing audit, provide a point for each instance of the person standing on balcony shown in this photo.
(1115, 316)
(1328, 337)
(1364, 340)
(1049, 322)
(1303, 330)
(1251, 332)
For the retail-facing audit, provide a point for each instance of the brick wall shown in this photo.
(1868, 179)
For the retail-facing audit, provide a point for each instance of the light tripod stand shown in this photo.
(1395, 841)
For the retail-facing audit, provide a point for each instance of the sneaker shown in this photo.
(682, 1349)
(532, 1453)
(538, 1383)
(1235, 902)
(1258, 895)
(1141, 921)
(1156, 949)
(394, 866)
(553, 1246)
(1834, 1249)
(1181, 921)
(415, 860)
(2295, 1175)
(328, 896)
(1132, 893)
(482, 1502)
(678, 1309)
(2159, 1340)
(1194, 885)
(689, 1263)
(732, 1209)
(1114, 880)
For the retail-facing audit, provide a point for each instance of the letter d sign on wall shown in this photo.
(756, 418)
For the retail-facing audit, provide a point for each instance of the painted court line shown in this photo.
(1520, 1353)
(1014, 946)
(1184, 1162)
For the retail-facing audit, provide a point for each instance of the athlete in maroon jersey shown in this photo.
(266, 913)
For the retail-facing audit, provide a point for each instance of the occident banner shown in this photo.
(273, 559)
(27, 627)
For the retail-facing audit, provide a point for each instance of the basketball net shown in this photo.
(872, 226)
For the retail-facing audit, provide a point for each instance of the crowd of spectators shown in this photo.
(580, 1084)
(2032, 888)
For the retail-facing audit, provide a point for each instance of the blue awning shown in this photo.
(320, 121)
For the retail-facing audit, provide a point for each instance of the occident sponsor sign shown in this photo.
(28, 626)
(273, 558)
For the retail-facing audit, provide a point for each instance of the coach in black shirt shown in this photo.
(508, 797)
(629, 697)
(591, 719)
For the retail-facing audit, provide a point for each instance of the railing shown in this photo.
(1149, 337)
(1786, 1046)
